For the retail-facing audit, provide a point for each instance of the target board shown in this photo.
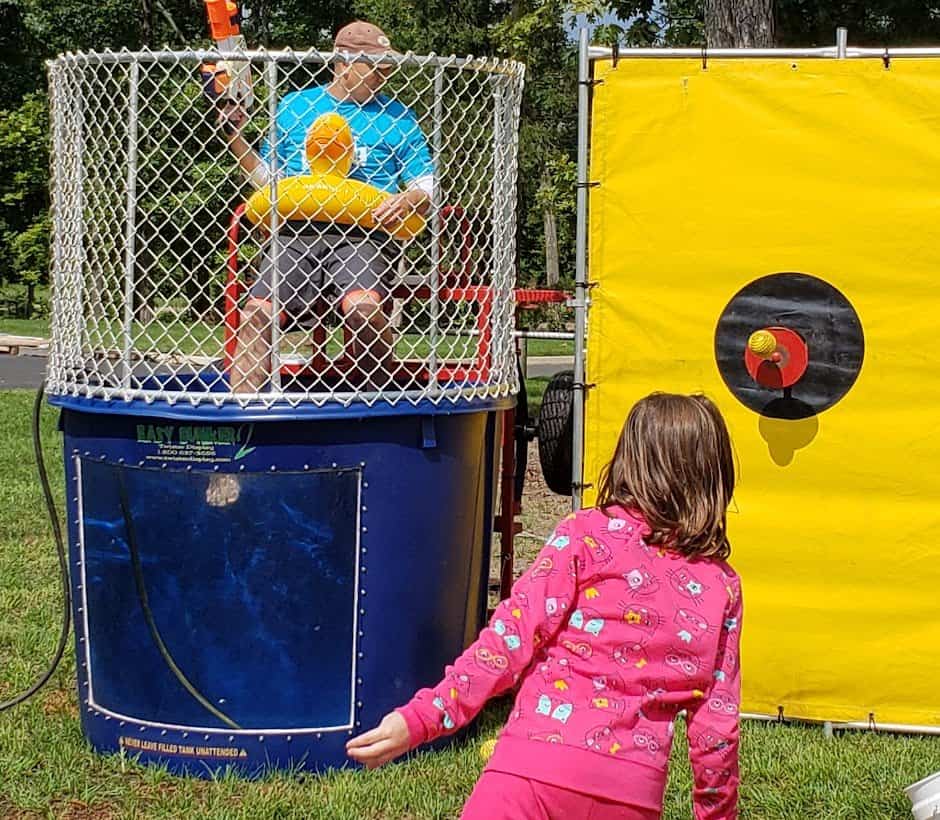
(765, 231)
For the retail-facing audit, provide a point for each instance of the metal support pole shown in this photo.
(130, 226)
(559, 335)
(500, 217)
(67, 192)
(77, 250)
(596, 53)
(842, 42)
(506, 522)
(895, 728)
(436, 232)
(825, 53)
(58, 280)
(270, 76)
(580, 283)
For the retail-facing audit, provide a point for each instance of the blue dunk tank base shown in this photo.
(302, 574)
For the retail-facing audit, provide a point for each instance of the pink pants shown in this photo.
(499, 796)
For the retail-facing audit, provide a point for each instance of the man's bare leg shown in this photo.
(251, 364)
(251, 367)
(371, 341)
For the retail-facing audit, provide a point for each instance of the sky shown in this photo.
(574, 21)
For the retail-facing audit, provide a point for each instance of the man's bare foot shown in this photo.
(223, 490)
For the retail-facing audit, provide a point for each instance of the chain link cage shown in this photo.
(168, 287)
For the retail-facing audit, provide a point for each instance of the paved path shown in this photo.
(21, 371)
(548, 365)
(27, 371)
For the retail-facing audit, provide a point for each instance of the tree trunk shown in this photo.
(551, 247)
(171, 20)
(146, 26)
(261, 13)
(739, 23)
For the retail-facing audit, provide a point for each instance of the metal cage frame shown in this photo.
(469, 127)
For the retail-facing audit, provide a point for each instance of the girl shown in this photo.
(628, 615)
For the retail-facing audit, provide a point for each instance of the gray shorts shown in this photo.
(318, 270)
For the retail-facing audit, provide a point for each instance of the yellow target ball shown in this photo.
(762, 343)
(486, 748)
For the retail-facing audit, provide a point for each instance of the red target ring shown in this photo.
(782, 367)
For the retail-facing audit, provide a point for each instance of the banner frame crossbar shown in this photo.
(826, 52)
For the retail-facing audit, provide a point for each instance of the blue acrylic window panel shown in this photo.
(255, 600)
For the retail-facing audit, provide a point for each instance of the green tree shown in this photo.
(797, 23)
(534, 33)
(876, 23)
(299, 24)
(458, 27)
(24, 234)
(645, 23)
(69, 25)
(20, 55)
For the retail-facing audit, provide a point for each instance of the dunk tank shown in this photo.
(763, 228)
(257, 575)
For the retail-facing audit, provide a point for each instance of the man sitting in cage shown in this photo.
(335, 265)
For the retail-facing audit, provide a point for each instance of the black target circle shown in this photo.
(821, 314)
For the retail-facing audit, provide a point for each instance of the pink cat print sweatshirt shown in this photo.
(608, 639)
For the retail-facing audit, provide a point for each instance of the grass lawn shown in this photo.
(535, 390)
(790, 772)
(25, 327)
(550, 347)
(189, 337)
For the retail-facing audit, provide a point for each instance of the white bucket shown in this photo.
(925, 798)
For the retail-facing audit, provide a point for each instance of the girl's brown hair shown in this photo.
(674, 465)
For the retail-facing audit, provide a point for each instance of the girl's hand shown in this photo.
(385, 742)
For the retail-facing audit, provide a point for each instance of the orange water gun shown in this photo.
(228, 81)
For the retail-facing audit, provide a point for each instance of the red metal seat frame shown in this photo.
(455, 286)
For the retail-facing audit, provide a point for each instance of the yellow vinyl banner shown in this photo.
(766, 231)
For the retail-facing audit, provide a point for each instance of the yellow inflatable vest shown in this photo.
(326, 195)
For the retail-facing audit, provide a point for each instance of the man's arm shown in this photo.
(252, 165)
(417, 172)
(399, 207)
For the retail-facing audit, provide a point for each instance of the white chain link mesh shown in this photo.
(147, 297)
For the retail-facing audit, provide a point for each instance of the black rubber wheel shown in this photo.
(555, 432)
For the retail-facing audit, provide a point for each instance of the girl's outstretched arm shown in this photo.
(530, 616)
(713, 724)
(385, 742)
